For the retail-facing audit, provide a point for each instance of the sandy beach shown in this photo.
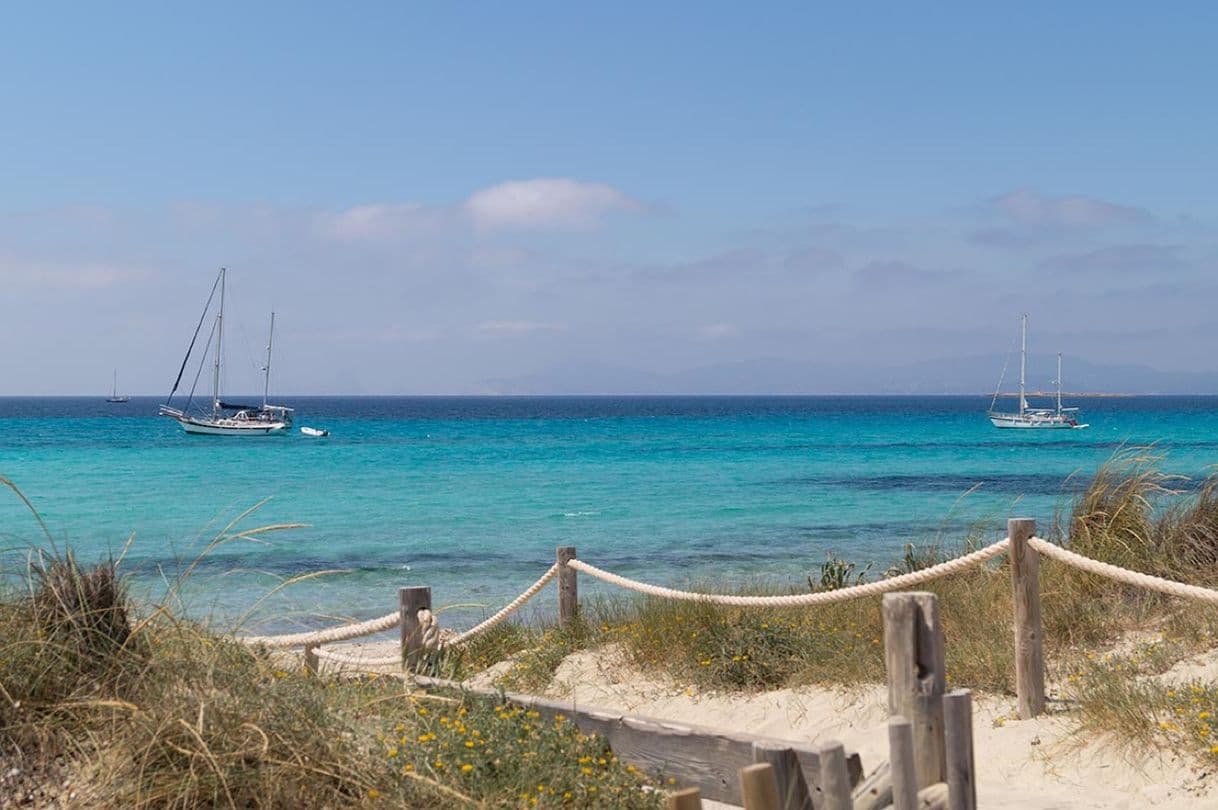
(1040, 764)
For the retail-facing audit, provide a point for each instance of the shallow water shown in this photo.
(472, 495)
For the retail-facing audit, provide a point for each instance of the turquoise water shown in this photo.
(472, 495)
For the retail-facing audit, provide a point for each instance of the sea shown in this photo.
(472, 495)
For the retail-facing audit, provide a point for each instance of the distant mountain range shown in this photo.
(963, 375)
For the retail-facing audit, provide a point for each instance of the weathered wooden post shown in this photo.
(410, 601)
(958, 736)
(913, 652)
(310, 658)
(793, 793)
(1029, 637)
(758, 787)
(901, 757)
(568, 587)
(834, 778)
(688, 799)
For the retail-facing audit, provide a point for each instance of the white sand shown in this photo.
(1036, 764)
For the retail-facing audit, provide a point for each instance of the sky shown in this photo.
(444, 198)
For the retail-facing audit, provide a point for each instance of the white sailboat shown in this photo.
(114, 397)
(1034, 418)
(226, 419)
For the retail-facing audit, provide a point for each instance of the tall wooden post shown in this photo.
(913, 652)
(958, 735)
(410, 602)
(1029, 636)
(310, 658)
(568, 587)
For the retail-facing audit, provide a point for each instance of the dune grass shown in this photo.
(102, 706)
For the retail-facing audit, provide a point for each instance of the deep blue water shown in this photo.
(472, 495)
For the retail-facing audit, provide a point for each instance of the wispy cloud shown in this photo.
(717, 331)
(546, 203)
(884, 274)
(376, 221)
(1027, 207)
(1120, 259)
(517, 327)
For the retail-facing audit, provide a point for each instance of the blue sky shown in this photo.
(437, 198)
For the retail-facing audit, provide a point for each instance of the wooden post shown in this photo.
(568, 587)
(901, 755)
(834, 778)
(913, 652)
(310, 658)
(958, 736)
(410, 602)
(793, 793)
(1029, 637)
(758, 786)
(688, 799)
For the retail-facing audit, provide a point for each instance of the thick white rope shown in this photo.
(341, 633)
(432, 636)
(508, 610)
(358, 660)
(1123, 574)
(804, 599)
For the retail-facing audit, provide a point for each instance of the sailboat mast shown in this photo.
(215, 385)
(114, 388)
(266, 385)
(1059, 383)
(1023, 361)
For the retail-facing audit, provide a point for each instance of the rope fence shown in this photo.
(421, 633)
(1115, 572)
(802, 599)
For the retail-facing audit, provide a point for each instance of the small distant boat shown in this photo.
(316, 433)
(226, 419)
(114, 397)
(1034, 418)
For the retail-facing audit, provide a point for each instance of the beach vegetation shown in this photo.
(107, 704)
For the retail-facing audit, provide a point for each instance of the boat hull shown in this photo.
(206, 429)
(1026, 422)
(203, 426)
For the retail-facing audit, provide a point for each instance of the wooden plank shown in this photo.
(695, 756)
(958, 736)
(913, 653)
(410, 602)
(875, 792)
(793, 791)
(834, 778)
(687, 799)
(1029, 636)
(901, 757)
(568, 587)
(759, 787)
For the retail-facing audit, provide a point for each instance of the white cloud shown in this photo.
(375, 221)
(66, 275)
(1027, 207)
(718, 331)
(517, 327)
(546, 203)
